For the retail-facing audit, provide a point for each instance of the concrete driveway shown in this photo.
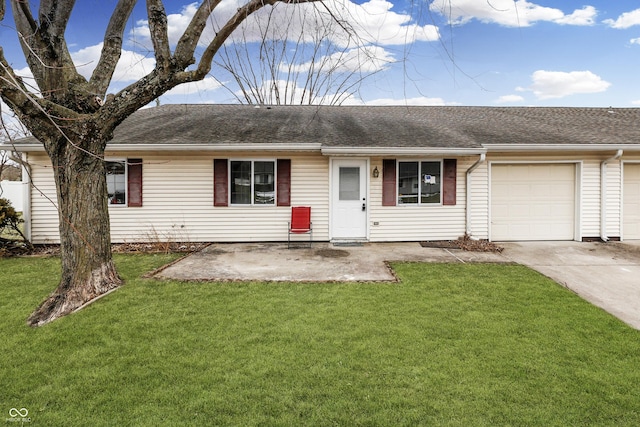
(605, 274)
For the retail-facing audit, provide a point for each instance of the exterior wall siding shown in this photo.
(178, 202)
(588, 189)
(614, 199)
(479, 203)
(417, 223)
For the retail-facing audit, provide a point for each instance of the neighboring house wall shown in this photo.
(14, 192)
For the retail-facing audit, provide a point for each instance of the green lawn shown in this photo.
(459, 345)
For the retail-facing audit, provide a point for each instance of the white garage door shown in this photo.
(631, 206)
(533, 202)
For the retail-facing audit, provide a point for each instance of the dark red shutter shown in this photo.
(220, 183)
(388, 182)
(134, 184)
(449, 175)
(284, 182)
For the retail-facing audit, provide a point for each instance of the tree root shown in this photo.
(68, 298)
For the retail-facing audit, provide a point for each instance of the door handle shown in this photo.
(364, 206)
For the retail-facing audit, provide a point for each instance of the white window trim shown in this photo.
(252, 196)
(419, 161)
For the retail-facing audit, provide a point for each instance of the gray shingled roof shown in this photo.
(366, 126)
(379, 127)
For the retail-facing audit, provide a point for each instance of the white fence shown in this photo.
(14, 191)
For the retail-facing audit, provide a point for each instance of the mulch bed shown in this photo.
(465, 243)
(9, 248)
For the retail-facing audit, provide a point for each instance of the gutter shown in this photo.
(401, 151)
(508, 148)
(189, 147)
(482, 159)
(603, 194)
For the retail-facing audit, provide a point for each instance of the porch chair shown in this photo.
(300, 223)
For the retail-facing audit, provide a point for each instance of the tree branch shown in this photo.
(55, 14)
(186, 47)
(112, 47)
(159, 35)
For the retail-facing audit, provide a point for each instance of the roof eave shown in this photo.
(559, 147)
(401, 151)
(186, 147)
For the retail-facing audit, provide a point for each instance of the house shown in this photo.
(230, 173)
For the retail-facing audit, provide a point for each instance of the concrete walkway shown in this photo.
(324, 262)
(607, 275)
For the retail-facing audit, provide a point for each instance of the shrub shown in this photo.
(10, 226)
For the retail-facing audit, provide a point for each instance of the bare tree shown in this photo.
(74, 118)
(298, 60)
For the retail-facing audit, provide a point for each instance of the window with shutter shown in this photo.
(252, 182)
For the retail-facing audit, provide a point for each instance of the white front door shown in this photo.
(349, 199)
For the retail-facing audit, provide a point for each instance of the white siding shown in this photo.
(417, 223)
(614, 199)
(590, 194)
(178, 202)
(479, 204)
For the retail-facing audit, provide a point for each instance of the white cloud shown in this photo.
(635, 41)
(510, 99)
(558, 84)
(626, 20)
(131, 66)
(636, 102)
(272, 92)
(205, 85)
(510, 13)
(371, 22)
(366, 59)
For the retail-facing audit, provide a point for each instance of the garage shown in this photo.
(533, 201)
(631, 204)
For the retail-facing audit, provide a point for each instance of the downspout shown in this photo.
(483, 157)
(603, 195)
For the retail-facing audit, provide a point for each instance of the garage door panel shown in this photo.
(533, 202)
(631, 206)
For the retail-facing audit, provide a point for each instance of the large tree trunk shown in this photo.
(88, 271)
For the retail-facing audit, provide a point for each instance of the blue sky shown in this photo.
(438, 52)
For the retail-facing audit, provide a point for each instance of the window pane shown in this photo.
(116, 183)
(241, 183)
(430, 182)
(407, 182)
(349, 184)
(264, 183)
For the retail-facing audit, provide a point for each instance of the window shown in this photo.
(419, 182)
(124, 182)
(116, 182)
(252, 182)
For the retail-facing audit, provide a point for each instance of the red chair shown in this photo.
(300, 223)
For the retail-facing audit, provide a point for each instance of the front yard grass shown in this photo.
(453, 345)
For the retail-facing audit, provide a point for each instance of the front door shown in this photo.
(349, 199)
